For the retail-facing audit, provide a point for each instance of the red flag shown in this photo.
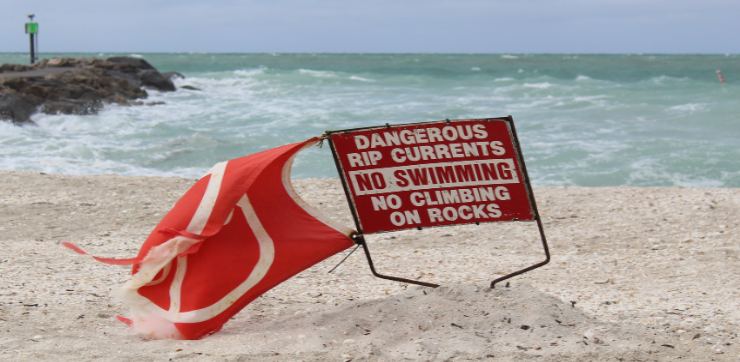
(236, 233)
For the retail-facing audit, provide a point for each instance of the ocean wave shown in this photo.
(540, 85)
(318, 73)
(583, 102)
(250, 72)
(361, 79)
(663, 79)
(475, 69)
(688, 108)
(508, 56)
(652, 171)
(582, 78)
(589, 98)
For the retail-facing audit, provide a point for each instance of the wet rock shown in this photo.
(75, 86)
(154, 79)
(14, 68)
(16, 108)
(69, 106)
(173, 75)
(129, 62)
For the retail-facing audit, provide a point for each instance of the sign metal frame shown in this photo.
(359, 237)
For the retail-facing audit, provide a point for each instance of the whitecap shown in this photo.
(597, 100)
(589, 98)
(582, 78)
(541, 85)
(249, 72)
(661, 79)
(361, 79)
(688, 107)
(649, 171)
(509, 56)
(475, 69)
(317, 73)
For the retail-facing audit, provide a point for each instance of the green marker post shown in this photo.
(32, 29)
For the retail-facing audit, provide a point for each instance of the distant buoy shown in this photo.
(720, 77)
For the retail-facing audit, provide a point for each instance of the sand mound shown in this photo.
(452, 322)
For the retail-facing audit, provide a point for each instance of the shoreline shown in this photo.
(646, 267)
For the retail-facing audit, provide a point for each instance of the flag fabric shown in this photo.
(235, 234)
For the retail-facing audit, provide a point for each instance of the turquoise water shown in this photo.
(588, 120)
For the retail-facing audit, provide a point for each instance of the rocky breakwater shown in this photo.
(76, 86)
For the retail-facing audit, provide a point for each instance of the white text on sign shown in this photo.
(434, 175)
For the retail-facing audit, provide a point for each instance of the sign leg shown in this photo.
(535, 266)
(361, 240)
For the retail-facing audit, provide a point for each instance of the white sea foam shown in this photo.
(663, 79)
(475, 69)
(540, 85)
(582, 78)
(361, 79)
(688, 108)
(509, 56)
(317, 73)
(250, 72)
(589, 98)
(651, 171)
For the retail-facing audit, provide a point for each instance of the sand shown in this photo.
(636, 274)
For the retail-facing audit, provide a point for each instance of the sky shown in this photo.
(388, 26)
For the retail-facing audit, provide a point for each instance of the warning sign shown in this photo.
(432, 174)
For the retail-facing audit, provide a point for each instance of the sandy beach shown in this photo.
(636, 274)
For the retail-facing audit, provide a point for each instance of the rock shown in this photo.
(173, 75)
(14, 68)
(190, 87)
(136, 63)
(16, 108)
(55, 62)
(155, 79)
(58, 62)
(69, 106)
(76, 85)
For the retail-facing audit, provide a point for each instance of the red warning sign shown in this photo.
(432, 174)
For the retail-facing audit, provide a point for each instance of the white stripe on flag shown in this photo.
(205, 207)
(267, 255)
(196, 226)
(176, 286)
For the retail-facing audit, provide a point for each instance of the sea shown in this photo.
(582, 120)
